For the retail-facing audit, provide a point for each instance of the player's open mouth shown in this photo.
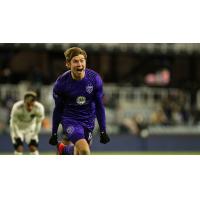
(80, 70)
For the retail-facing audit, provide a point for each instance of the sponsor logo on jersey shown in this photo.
(89, 89)
(70, 129)
(81, 100)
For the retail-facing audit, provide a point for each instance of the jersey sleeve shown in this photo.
(100, 110)
(39, 118)
(58, 109)
(14, 120)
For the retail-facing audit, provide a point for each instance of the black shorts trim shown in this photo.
(33, 143)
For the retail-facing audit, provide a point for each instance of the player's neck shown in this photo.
(78, 77)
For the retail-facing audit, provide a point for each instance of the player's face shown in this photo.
(29, 104)
(77, 66)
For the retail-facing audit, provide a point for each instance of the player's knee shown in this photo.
(19, 148)
(18, 145)
(33, 146)
(84, 152)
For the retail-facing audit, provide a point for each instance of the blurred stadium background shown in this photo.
(152, 93)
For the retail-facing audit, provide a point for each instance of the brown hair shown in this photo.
(30, 94)
(74, 51)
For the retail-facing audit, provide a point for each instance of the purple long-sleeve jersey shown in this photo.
(79, 100)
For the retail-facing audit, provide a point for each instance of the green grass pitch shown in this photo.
(123, 153)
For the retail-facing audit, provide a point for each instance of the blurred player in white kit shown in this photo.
(25, 123)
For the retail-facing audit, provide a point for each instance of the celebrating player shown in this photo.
(78, 101)
(25, 123)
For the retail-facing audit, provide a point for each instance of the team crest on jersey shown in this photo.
(70, 129)
(89, 89)
(81, 100)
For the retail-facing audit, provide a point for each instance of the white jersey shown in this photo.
(23, 122)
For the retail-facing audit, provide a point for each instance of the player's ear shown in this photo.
(67, 64)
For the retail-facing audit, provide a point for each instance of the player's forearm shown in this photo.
(100, 110)
(56, 119)
(14, 128)
(38, 127)
(101, 117)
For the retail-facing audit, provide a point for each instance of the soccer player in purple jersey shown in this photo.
(78, 101)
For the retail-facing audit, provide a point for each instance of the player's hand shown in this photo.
(104, 138)
(53, 140)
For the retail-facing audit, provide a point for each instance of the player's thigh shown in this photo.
(82, 147)
(73, 131)
(31, 136)
(75, 151)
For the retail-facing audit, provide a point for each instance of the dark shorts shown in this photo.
(19, 142)
(74, 131)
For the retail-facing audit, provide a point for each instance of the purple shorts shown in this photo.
(74, 131)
